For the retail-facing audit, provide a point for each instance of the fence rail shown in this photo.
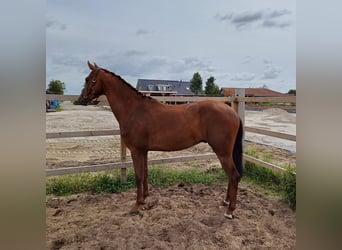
(288, 99)
(271, 133)
(127, 164)
(236, 103)
(82, 133)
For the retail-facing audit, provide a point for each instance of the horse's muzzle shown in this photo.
(82, 101)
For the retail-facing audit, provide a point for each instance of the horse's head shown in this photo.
(92, 87)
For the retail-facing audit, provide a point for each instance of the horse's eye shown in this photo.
(86, 79)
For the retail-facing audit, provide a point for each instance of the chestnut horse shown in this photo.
(147, 124)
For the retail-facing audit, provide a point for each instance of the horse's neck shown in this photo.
(122, 100)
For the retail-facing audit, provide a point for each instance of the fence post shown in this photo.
(123, 175)
(239, 107)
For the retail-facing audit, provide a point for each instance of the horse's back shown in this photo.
(218, 112)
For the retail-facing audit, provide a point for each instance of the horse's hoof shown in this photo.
(229, 216)
(225, 203)
(134, 212)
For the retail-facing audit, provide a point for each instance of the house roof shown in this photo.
(164, 86)
(254, 92)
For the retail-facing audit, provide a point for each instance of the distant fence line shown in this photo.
(237, 103)
(189, 99)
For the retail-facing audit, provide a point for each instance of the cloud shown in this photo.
(247, 59)
(134, 53)
(275, 24)
(246, 18)
(139, 64)
(142, 32)
(277, 13)
(196, 63)
(54, 24)
(243, 76)
(263, 18)
(270, 71)
(59, 63)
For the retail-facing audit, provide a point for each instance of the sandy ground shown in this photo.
(180, 217)
(276, 120)
(67, 152)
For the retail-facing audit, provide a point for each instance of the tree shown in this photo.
(211, 88)
(292, 92)
(196, 84)
(56, 87)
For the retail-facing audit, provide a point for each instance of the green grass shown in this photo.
(277, 183)
(251, 151)
(109, 181)
(104, 182)
(288, 183)
(262, 177)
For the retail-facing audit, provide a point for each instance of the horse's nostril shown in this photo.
(82, 101)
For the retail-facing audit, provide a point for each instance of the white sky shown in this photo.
(241, 43)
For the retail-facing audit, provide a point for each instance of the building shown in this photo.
(253, 92)
(164, 87)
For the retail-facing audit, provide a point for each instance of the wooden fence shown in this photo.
(237, 103)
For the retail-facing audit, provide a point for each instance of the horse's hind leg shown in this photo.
(229, 167)
(232, 193)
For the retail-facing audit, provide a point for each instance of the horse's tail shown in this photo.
(238, 150)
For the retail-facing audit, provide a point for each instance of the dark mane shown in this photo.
(129, 85)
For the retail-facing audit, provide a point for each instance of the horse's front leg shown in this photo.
(145, 183)
(138, 162)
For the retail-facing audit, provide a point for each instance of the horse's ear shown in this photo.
(96, 65)
(91, 67)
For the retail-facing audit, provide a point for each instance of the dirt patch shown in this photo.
(180, 217)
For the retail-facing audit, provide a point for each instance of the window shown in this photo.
(164, 87)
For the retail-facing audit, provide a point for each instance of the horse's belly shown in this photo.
(168, 142)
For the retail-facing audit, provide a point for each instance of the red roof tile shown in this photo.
(254, 92)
